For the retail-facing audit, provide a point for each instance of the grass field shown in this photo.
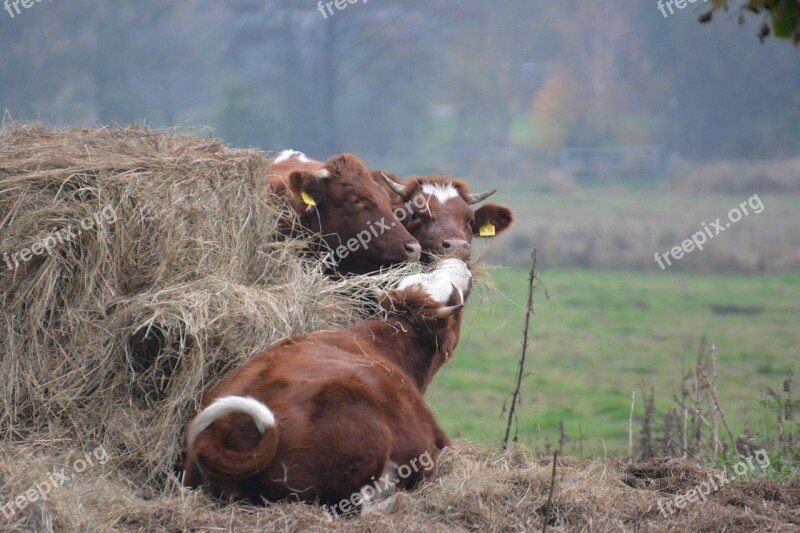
(621, 229)
(599, 337)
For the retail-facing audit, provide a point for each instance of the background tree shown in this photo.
(415, 86)
(779, 17)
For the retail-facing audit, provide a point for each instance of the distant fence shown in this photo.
(496, 163)
(613, 162)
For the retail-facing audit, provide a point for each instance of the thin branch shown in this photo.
(698, 389)
(721, 414)
(715, 412)
(515, 396)
(629, 457)
(548, 506)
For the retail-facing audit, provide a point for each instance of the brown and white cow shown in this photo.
(339, 200)
(445, 222)
(323, 417)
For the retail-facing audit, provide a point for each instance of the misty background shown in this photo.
(505, 95)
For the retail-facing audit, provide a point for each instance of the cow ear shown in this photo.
(308, 185)
(492, 219)
(447, 336)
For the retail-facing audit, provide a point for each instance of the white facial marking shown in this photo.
(457, 273)
(439, 284)
(289, 154)
(441, 192)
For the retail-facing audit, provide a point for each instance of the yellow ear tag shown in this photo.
(308, 199)
(487, 230)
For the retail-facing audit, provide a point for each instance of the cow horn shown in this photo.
(396, 187)
(475, 198)
(322, 173)
(447, 312)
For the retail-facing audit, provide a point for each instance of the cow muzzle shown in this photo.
(413, 250)
(457, 248)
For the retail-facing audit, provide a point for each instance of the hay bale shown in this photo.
(110, 335)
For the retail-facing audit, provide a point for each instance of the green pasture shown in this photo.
(602, 335)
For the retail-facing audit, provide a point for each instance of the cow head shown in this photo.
(431, 305)
(441, 214)
(353, 214)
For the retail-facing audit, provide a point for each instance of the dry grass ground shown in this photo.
(108, 338)
(474, 490)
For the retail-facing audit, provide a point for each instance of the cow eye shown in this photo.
(413, 216)
(355, 201)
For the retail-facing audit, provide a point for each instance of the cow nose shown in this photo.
(413, 250)
(456, 247)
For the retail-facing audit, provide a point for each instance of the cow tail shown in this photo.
(208, 451)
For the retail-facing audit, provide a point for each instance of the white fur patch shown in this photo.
(289, 154)
(381, 498)
(439, 284)
(441, 192)
(261, 414)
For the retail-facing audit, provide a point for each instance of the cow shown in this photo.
(339, 200)
(324, 417)
(445, 223)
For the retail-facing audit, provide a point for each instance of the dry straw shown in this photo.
(111, 338)
(109, 341)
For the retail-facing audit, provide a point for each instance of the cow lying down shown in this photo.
(335, 417)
